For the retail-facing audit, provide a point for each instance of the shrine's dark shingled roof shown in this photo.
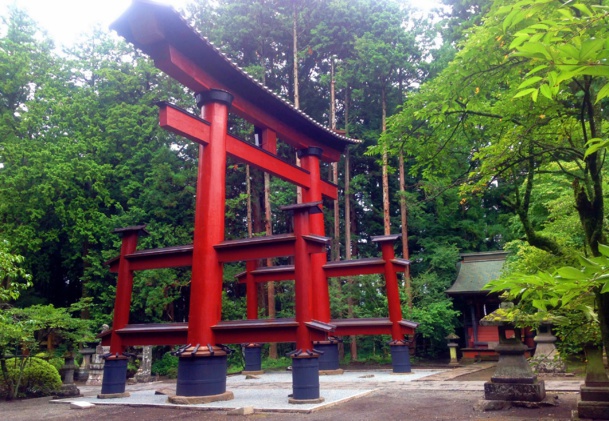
(476, 270)
(202, 52)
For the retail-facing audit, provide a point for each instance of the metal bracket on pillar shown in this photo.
(310, 151)
(214, 95)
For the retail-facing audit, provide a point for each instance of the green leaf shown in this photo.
(590, 48)
(583, 8)
(569, 272)
(596, 146)
(529, 82)
(602, 93)
(536, 69)
(525, 92)
(546, 91)
(518, 41)
(603, 249)
(534, 50)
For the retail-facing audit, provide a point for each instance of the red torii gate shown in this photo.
(181, 53)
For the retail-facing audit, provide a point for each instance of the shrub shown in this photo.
(39, 378)
(166, 366)
(55, 361)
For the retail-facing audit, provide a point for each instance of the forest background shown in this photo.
(479, 138)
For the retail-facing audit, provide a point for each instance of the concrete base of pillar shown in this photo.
(113, 395)
(331, 372)
(195, 400)
(252, 373)
(305, 401)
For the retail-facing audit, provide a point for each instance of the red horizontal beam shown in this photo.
(266, 161)
(175, 64)
(161, 258)
(184, 124)
(379, 326)
(269, 274)
(151, 334)
(256, 248)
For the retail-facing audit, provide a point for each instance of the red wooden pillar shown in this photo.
(386, 243)
(310, 161)
(206, 284)
(124, 284)
(303, 289)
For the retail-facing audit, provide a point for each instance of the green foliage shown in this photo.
(34, 377)
(280, 363)
(569, 298)
(166, 366)
(13, 278)
(436, 320)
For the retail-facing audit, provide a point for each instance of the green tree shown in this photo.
(470, 126)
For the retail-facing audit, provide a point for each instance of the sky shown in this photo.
(65, 20)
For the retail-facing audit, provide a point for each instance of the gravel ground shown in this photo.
(436, 397)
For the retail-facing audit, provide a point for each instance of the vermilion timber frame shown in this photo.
(181, 53)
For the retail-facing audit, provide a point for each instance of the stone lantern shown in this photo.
(452, 347)
(513, 379)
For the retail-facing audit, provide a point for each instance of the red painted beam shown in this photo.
(178, 121)
(167, 257)
(255, 248)
(269, 274)
(175, 64)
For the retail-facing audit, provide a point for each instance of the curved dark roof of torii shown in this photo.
(203, 53)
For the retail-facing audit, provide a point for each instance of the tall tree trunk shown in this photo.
(336, 245)
(269, 262)
(248, 187)
(353, 338)
(386, 218)
(295, 52)
(295, 72)
(404, 215)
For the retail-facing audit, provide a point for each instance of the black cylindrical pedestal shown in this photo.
(253, 357)
(115, 375)
(328, 358)
(305, 378)
(201, 376)
(400, 358)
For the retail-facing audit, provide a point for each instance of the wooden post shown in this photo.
(391, 283)
(124, 284)
(310, 161)
(206, 284)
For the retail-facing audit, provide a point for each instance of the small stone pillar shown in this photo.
(452, 347)
(513, 379)
(253, 358)
(144, 372)
(594, 393)
(82, 373)
(547, 358)
(96, 367)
